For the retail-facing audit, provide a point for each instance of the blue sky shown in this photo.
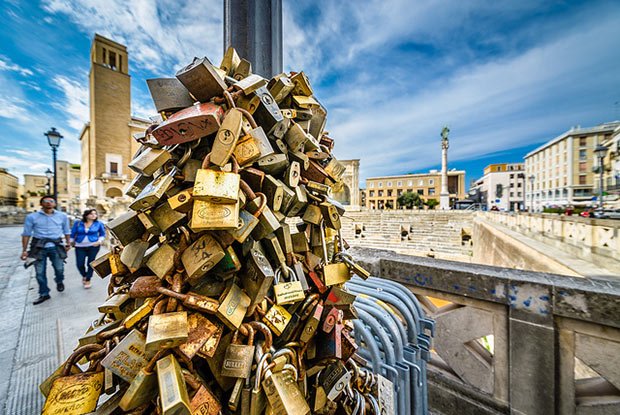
(505, 76)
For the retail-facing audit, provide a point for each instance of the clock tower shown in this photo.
(106, 141)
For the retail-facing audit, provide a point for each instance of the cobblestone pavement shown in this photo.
(35, 340)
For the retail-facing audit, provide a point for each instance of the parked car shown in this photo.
(606, 214)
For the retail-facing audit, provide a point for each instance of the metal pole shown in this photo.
(254, 29)
(55, 177)
(600, 190)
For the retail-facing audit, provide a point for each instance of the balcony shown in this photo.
(511, 341)
(106, 177)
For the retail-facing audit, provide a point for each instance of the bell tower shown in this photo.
(106, 140)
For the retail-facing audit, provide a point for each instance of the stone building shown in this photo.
(68, 186)
(35, 186)
(382, 192)
(106, 140)
(349, 194)
(8, 188)
(561, 171)
(502, 186)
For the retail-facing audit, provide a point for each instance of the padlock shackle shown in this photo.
(262, 327)
(260, 367)
(247, 190)
(150, 366)
(263, 204)
(206, 163)
(249, 116)
(78, 354)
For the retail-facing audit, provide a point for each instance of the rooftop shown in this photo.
(601, 128)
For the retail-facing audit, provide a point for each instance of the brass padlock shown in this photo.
(136, 185)
(217, 186)
(331, 215)
(161, 261)
(200, 329)
(166, 218)
(166, 330)
(190, 124)
(305, 102)
(253, 177)
(200, 257)
(204, 402)
(228, 266)
(267, 222)
(283, 393)
(247, 151)
(154, 191)
(101, 265)
(243, 69)
(143, 387)
(274, 251)
(126, 228)
(296, 137)
(230, 61)
(46, 385)
(117, 267)
(226, 137)
(281, 87)
(334, 379)
(133, 254)
(273, 189)
(172, 389)
(336, 273)
(201, 80)
(250, 84)
(301, 84)
(355, 267)
(239, 357)
(277, 318)
(318, 122)
(313, 215)
(75, 394)
(169, 95)
(182, 201)
(128, 357)
(114, 304)
(148, 223)
(273, 164)
(233, 306)
(301, 158)
(299, 202)
(150, 160)
(257, 278)
(139, 313)
(247, 222)
(300, 242)
(292, 174)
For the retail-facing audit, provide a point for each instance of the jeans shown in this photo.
(83, 257)
(40, 268)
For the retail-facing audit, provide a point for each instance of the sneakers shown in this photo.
(87, 284)
(41, 299)
(60, 287)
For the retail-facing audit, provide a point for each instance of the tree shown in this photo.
(431, 203)
(409, 200)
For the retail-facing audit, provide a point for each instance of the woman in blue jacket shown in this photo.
(87, 235)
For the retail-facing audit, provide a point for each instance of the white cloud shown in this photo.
(7, 65)
(161, 35)
(76, 104)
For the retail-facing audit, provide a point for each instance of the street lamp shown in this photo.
(601, 151)
(48, 174)
(532, 178)
(53, 139)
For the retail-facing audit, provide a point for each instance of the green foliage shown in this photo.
(409, 200)
(431, 203)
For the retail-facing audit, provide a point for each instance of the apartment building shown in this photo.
(35, 186)
(561, 171)
(502, 186)
(8, 188)
(382, 192)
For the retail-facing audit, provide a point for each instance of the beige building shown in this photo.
(8, 188)
(382, 192)
(107, 144)
(68, 186)
(35, 186)
(502, 186)
(560, 172)
(349, 194)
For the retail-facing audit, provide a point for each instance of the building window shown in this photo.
(76, 180)
(380, 192)
(582, 179)
(583, 141)
(512, 194)
(410, 183)
(371, 185)
(512, 176)
(380, 184)
(518, 194)
(114, 164)
(399, 183)
(389, 192)
(112, 60)
(421, 191)
(389, 184)
(583, 166)
(113, 168)
(371, 193)
(421, 182)
(431, 191)
(583, 154)
(431, 182)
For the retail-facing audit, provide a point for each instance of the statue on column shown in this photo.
(444, 196)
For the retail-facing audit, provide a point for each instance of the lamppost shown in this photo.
(53, 139)
(48, 174)
(600, 152)
(532, 178)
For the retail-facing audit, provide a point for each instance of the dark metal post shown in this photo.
(55, 176)
(254, 28)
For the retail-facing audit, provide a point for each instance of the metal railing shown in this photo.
(506, 341)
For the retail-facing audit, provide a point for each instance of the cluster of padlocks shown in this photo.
(226, 277)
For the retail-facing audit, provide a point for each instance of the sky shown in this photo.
(505, 76)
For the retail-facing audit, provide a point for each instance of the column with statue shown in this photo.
(444, 196)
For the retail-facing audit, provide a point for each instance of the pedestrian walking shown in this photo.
(86, 236)
(46, 227)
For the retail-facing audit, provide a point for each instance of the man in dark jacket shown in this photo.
(46, 227)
